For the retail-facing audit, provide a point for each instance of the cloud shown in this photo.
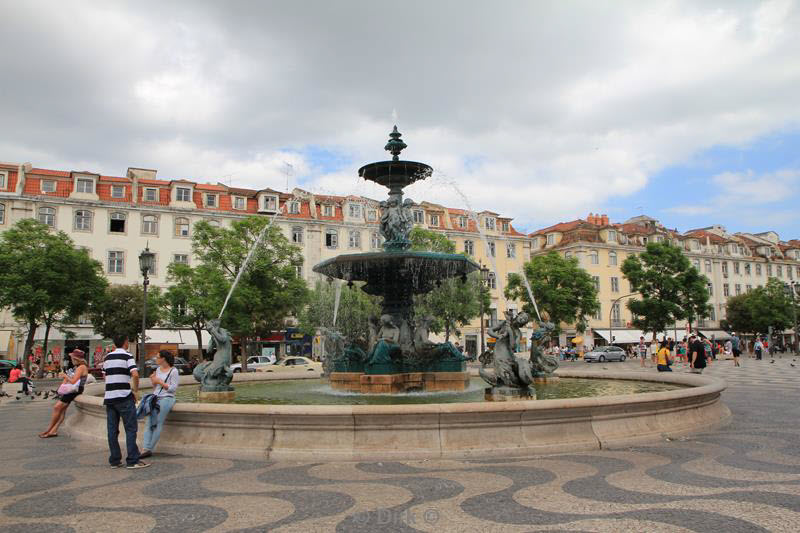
(538, 111)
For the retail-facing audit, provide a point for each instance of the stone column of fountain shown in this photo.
(400, 357)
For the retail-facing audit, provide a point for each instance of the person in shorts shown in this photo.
(697, 359)
(735, 349)
(76, 377)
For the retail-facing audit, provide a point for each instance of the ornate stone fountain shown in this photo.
(399, 356)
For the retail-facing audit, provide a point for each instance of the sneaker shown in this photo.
(140, 464)
(145, 454)
(118, 465)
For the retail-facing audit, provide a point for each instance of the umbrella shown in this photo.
(577, 340)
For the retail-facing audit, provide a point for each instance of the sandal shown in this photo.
(47, 436)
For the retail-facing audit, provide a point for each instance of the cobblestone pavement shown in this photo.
(743, 477)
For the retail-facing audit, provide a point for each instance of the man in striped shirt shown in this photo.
(120, 369)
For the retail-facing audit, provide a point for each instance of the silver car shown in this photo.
(602, 354)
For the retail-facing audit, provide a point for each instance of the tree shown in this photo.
(669, 287)
(44, 279)
(119, 311)
(453, 302)
(560, 286)
(269, 288)
(352, 318)
(194, 297)
(761, 308)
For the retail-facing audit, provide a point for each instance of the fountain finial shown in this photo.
(395, 144)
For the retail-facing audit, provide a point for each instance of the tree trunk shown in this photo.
(446, 332)
(199, 333)
(243, 351)
(48, 324)
(32, 325)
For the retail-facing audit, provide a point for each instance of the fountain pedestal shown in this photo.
(508, 394)
(217, 396)
(400, 382)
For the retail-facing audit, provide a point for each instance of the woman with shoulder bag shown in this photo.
(165, 382)
(70, 388)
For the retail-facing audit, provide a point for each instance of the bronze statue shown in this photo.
(216, 375)
(507, 369)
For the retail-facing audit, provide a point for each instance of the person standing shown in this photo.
(120, 370)
(165, 382)
(735, 349)
(698, 355)
(758, 348)
(642, 351)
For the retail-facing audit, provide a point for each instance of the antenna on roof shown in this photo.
(227, 178)
(288, 169)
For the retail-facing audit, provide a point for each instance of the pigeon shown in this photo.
(792, 364)
(3, 394)
(38, 393)
(774, 361)
(46, 394)
(17, 398)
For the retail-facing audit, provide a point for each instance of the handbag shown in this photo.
(67, 388)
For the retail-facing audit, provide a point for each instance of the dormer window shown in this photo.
(270, 203)
(419, 217)
(434, 220)
(462, 222)
(551, 239)
(239, 202)
(294, 208)
(183, 194)
(327, 210)
(490, 223)
(355, 210)
(372, 215)
(211, 200)
(612, 236)
(117, 191)
(84, 185)
(150, 195)
(506, 227)
(48, 186)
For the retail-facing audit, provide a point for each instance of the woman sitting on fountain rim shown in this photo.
(165, 382)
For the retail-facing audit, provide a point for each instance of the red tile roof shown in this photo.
(560, 227)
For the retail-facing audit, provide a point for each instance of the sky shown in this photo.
(541, 111)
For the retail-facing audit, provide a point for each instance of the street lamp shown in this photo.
(611, 313)
(146, 264)
(484, 282)
(792, 288)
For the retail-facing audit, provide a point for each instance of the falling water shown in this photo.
(337, 295)
(530, 293)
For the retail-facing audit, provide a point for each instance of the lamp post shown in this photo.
(792, 289)
(484, 282)
(146, 263)
(611, 313)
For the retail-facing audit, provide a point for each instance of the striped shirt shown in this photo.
(117, 367)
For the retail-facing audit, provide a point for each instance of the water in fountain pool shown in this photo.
(319, 392)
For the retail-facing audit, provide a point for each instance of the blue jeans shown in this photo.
(126, 410)
(151, 436)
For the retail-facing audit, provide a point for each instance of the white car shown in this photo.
(294, 363)
(254, 363)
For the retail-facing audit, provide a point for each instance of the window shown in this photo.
(214, 223)
(183, 194)
(48, 186)
(182, 259)
(711, 314)
(598, 315)
(708, 265)
(758, 269)
(614, 284)
(469, 247)
(779, 271)
(644, 240)
(327, 210)
(492, 280)
(419, 217)
(117, 191)
(150, 195)
(181, 227)
(725, 269)
(711, 289)
(490, 223)
(372, 215)
(506, 227)
(355, 210)
(612, 236)
(511, 250)
(737, 289)
(594, 258)
(789, 272)
(2, 180)
(270, 203)
(769, 270)
(354, 240)
(615, 312)
(239, 202)
(83, 220)
(375, 241)
(434, 220)
(612, 258)
(87, 186)
(2, 213)
(294, 208)
(47, 215)
(116, 262)
(332, 238)
(747, 269)
(551, 239)
(490, 249)
(596, 280)
(298, 271)
(736, 267)
(211, 200)
(567, 255)
(748, 288)
(297, 235)
(150, 224)
(696, 263)
(117, 223)
(726, 291)
(462, 222)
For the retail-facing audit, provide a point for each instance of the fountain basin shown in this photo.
(425, 431)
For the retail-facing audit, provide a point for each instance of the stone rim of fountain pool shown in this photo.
(425, 431)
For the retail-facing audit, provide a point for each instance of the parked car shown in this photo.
(602, 354)
(181, 365)
(5, 369)
(294, 363)
(254, 363)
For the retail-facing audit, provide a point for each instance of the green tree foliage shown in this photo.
(561, 288)
(119, 311)
(453, 303)
(44, 279)
(352, 319)
(269, 289)
(194, 297)
(669, 287)
(756, 310)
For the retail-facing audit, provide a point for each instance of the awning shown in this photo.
(81, 334)
(718, 334)
(163, 336)
(189, 339)
(624, 336)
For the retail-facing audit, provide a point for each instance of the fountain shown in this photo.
(400, 357)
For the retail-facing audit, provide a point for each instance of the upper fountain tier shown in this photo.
(395, 174)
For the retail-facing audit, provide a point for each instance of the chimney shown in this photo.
(604, 220)
(590, 219)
